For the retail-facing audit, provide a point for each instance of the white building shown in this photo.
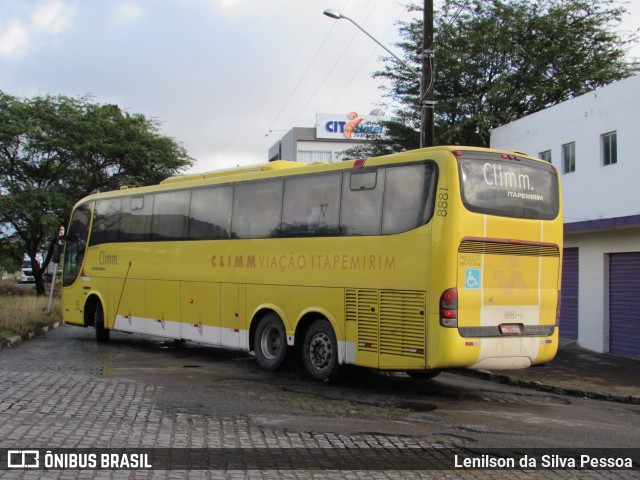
(329, 139)
(593, 140)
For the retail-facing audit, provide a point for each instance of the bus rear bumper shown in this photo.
(494, 353)
(502, 363)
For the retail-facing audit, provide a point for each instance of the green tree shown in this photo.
(497, 61)
(55, 150)
(10, 253)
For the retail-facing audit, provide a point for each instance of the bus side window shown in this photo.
(106, 221)
(363, 180)
(361, 212)
(210, 214)
(257, 209)
(171, 215)
(311, 205)
(403, 198)
(135, 225)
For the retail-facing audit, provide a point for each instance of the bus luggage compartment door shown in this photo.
(233, 332)
(200, 312)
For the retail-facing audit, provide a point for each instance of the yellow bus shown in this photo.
(438, 258)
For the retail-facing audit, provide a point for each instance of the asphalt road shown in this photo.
(66, 391)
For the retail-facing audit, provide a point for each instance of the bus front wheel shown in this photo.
(320, 351)
(102, 333)
(270, 342)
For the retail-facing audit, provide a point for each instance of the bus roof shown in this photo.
(275, 168)
(285, 164)
(276, 165)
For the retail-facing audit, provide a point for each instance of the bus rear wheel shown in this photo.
(102, 333)
(270, 342)
(320, 351)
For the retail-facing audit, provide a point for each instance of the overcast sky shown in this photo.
(224, 77)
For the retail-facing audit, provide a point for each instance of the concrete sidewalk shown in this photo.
(578, 372)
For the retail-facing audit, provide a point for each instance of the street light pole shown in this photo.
(331, 13)
(427, 102)
(427, 137)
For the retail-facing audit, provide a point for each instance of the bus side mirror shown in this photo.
(56, 253)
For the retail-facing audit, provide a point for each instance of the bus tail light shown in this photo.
(558, 304)
(449, 308)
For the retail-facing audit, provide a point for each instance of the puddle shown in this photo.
(417, 406)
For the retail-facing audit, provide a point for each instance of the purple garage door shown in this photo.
(569, 304)
(624, 303)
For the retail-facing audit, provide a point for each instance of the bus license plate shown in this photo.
(510, 329)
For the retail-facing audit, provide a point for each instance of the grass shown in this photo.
(22, 312)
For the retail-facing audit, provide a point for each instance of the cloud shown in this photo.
(51, 17)
(19, 36)
(226, 159)
(127, 12)
(238, 8)
(14, 40)
(227, 3)
(217, 73)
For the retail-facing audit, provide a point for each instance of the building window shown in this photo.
(312, 157)
(546, 156)
(569, 157)
(609, 148)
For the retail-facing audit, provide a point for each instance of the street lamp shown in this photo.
(331, 13)
(426, 88)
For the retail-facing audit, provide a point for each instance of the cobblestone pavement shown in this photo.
(66, 391)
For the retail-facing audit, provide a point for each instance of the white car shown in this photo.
(26, 275)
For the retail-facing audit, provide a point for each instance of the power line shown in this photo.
(295, 89)
(344, 51)
(359, 70)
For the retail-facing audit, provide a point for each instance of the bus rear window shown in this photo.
(509, 188)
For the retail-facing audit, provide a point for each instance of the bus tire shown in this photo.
(320, 351)
(270, 342)
(102, 333)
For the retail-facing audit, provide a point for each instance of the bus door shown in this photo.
(72, 273)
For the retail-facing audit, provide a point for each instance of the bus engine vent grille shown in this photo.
(390, 322)
(362, 307)
(504, 248)
(402, 323)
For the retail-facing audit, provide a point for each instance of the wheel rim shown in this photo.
(270, 342)
(320, 351)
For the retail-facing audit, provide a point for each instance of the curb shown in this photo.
(17, 339)
(543, 387)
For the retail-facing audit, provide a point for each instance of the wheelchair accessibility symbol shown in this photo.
(472, 278)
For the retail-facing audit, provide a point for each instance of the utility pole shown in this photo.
(427, 102)
(426, 77)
